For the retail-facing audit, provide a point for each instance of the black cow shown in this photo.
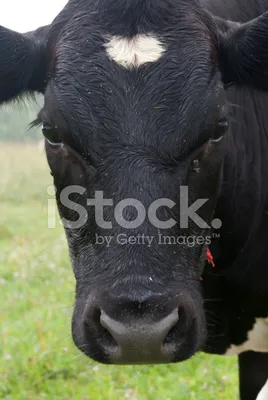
(144, 99)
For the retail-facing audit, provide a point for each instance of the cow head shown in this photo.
(136, 124)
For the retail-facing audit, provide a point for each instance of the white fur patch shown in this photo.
(257, 339)
(263, 395)
(133, 52)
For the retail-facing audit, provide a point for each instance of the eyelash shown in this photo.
(46, 127)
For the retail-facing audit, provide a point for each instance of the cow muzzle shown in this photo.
(132, 329)
(140, 341)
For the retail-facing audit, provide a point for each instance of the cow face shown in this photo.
(136, 126)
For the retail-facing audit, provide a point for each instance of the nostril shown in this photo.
(171, 336)
(94, 328)
(92, 320)
(106, 339)
(105, 336)
(178, 330)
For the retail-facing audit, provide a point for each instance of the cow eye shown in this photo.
(220, 130)
(51, 135)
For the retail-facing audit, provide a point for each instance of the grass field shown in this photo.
(37, 357)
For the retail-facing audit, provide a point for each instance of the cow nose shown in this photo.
(139, 328)
(134, 329)
(139, 341)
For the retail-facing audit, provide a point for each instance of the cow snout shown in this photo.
(145, 330)
(139, 341)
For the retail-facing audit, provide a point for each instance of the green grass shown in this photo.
(37, 357)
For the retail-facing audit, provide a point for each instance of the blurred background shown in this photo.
(37, 357)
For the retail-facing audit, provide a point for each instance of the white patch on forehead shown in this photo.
(257, 339)
(263, 395)
(136, 51)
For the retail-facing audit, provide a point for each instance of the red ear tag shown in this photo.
(210, 259)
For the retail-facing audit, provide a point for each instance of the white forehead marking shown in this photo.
(257, 339)
(133, 52)
(263, 395)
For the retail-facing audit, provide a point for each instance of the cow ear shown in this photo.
(23, 62)
(243, 52)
